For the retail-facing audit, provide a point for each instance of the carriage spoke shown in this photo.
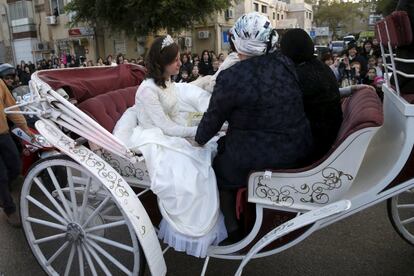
(96, 211)
(105, 226)
(57, 253)
(72, 193)
(405, 206)
(111, 242)
(60, 193)
(70, 260)
(50, 197)
(109, 257)
(98, 259)
(89, 260)
(46, 209)
(46, 223)
(407, 221)
(112, 218)
(85, 199)
(80, 260)
(110, 208)
(50, 238)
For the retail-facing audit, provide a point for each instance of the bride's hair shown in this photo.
(158, 57)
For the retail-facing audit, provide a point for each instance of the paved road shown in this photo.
(364, 244)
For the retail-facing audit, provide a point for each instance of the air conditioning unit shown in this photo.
(71, 15)
(42, 46)
(51, 20)
(188, 42)
(203, 34)
(229, 14)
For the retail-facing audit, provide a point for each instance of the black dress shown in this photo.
(262, 102)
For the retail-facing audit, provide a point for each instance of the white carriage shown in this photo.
(97, 210)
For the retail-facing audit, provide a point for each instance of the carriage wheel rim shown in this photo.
(398, 222)
(79, 230)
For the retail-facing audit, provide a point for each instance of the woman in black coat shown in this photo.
(260, 98)
(321, 96)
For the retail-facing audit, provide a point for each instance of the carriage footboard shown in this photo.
(314, 216)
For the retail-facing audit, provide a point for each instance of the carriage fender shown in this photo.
(117, 186)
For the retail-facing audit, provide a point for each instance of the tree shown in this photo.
(385, 7)
(141, 17)
(335, 13)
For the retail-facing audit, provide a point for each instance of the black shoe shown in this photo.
(233, 237)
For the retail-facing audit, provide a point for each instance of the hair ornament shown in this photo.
(167, 41)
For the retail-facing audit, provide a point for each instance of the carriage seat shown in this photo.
(330, 177)
(108, 108)
(85, 83)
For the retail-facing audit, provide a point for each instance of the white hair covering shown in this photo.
(251, 34)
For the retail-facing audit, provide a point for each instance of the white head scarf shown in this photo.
(251, 34)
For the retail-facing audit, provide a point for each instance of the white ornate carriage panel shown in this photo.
(117, 186)
(310, 189)
(136, 174)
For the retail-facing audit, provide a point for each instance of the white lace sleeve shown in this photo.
(151, 104)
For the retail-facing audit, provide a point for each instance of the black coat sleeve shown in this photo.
(219, 110)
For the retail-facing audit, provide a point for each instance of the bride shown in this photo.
(181, 174)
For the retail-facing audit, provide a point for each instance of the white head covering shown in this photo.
(251, 34)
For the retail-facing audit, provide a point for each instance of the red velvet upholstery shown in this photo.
(362, 110)
(85, 83)
(108, 108)
(399, 28)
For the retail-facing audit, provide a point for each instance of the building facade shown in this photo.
(32, 30)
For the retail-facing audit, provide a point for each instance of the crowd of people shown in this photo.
(357, 65)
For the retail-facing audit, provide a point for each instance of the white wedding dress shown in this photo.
(181, 174)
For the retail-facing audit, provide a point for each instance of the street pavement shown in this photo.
(363, 244)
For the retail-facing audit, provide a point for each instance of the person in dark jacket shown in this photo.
(205, 66)
(261, 100)
(321, 96)
(25, 75)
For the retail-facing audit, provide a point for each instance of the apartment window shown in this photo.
(274, 15)
(57, 7)
(264, 9)
(256, 7)
(18, 10)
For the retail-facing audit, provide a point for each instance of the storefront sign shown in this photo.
(81, 31)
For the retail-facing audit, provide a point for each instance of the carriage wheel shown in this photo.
(76, 228)
(401, 213)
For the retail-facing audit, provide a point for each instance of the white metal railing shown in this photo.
(393, 58)
(45, 103)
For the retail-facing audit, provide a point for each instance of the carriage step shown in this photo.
(292, 225)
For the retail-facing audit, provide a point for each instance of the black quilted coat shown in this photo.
(262, 102)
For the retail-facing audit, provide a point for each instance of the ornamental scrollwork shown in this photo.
(317, 192)
(126, 169)
(89, 159)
